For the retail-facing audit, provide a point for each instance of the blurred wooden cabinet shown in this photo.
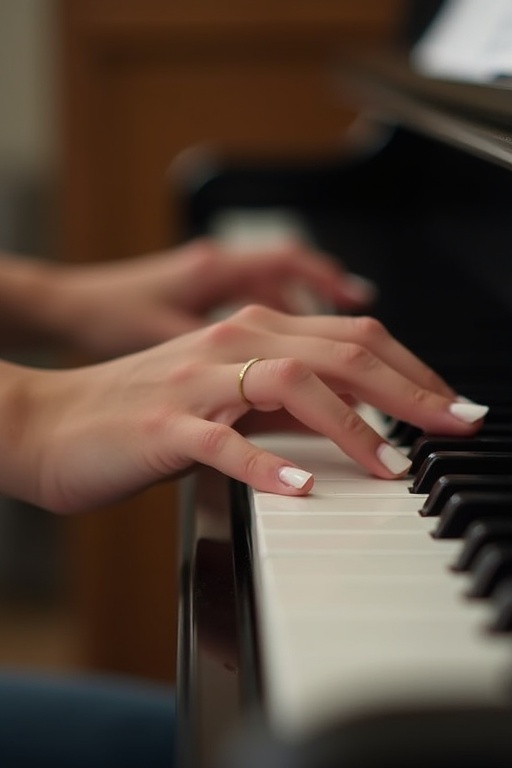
(142, 80)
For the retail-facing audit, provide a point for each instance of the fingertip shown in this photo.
(296, 478)
(468, 412)
(393, 460)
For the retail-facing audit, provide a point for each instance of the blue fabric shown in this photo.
(84, 723)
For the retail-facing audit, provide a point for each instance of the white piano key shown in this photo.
(317, 455)
(309, 447)
(310, 696)
(356, 485)
(301, 566)
(357, 504)
(310, 524)
(356, 540)
(369, 639)
(358, 608)
(374, 597)
(344, 664)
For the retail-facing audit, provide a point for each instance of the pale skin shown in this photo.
(119, 307)
(73, 440)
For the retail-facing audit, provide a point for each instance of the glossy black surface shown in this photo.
(467, 506)
(480, 533)
(428, 444)
(209, 693)
(447, 485)
(460, 463)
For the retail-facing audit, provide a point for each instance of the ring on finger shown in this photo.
(241, 376)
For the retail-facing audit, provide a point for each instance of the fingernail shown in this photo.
(360, 289)
(392, 459)
(294, 477)
(467, 411)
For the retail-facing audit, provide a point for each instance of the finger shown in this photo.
(294, 262)
(343, 287)
(287, 383)
(365, 331)
(271, 383)
(223, 448)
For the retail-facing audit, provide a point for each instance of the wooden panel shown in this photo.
(140, 21)
(142, 80)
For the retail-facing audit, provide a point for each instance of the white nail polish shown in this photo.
(468, 412)
(294, 477)
(392, 459)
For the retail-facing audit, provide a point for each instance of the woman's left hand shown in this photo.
(114, 308)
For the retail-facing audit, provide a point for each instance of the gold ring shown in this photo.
(241, 375)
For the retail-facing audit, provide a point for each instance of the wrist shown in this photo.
(53, 304)
(18, 431)
(31, 301)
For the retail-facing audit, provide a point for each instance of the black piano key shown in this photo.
(499, 414)
(491, 567)
(497, 423)
(465, 507)
(502, 602)
(428, 444)
(459, 463)
(480, 533)
(447, 485)
(503, 429)
(402, 433)
(489, 392)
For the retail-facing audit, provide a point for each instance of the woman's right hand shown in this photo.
(74, 440)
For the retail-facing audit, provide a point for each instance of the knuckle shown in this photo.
(353, 424)
(159, 420)
(151, 426)
(358, 357)
(253, 463)
(292, 373)
(184, 373)
(223, 334)
(420, 397)
(368, 329)
(213, 439)
(206, 251)
(254, 314)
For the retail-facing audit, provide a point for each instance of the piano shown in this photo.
(369, 624)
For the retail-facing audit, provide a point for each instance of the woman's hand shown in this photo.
(73, 440)
(119, 307)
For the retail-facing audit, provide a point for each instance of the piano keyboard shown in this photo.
(359, 609)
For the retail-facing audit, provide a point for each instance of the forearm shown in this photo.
(29, 302)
